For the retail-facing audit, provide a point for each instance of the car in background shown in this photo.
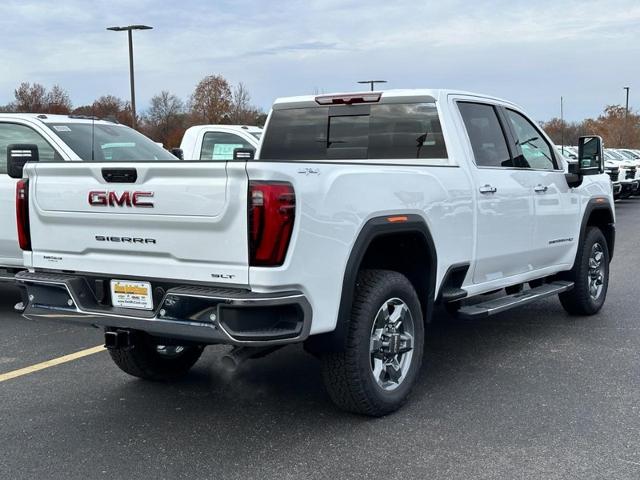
(610, 168)
(626, 174)
(218, 142)
(53, 139)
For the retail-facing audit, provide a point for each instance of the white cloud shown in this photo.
(528, 51)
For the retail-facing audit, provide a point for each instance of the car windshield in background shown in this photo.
(109, 143)
(387, 131)
(256, 134)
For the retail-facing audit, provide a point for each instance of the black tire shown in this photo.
(144, 359)
(579, 300)
(348, 374)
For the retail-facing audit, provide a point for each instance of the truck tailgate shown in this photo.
(174, 220)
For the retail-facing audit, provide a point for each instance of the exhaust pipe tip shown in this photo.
(229, 363)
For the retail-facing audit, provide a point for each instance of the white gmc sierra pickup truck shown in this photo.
(361, 213)
(217, 142)
(58, 138)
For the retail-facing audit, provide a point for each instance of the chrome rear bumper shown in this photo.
(195, 313)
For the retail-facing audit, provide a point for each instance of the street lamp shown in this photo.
(129, 29)
(372, 82)
(626, 108)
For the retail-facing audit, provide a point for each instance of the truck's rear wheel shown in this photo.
(375, 373)
(590, 275)
(147, 358)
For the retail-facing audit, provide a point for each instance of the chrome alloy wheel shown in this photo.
(595, 276)
(391, 347)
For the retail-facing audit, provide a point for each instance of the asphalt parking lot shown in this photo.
(527, 394)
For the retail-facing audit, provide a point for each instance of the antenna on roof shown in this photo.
(372, 82)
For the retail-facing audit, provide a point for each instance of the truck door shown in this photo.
(15, 133)
(556, 207)
(505, 213)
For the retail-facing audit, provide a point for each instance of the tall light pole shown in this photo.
(372, 82)
(626, 107)
(129, 29)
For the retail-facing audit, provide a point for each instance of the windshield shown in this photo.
(256, 134)
(615, 155)
(109, 143)
(628, 154)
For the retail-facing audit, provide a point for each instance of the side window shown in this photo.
(536, 152)
(11, 133)
(220, 146)
(486, 135)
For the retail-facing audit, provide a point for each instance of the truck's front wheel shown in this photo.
(590, 275)
(380, 364)
(147, 358)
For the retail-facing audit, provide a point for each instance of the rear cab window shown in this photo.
(386, 131)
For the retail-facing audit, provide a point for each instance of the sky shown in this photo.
(530, 52)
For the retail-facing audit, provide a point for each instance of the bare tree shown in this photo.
(30, 98)
(211, 100)
(58, 101)
(164, 121)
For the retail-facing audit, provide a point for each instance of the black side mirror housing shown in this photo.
(177, 152)
(590, 160)
(590, 155)
(244, 154)
(18, 154)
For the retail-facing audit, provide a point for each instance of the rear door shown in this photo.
(505, 213)
(164, 220)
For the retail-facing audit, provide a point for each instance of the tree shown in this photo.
(165, 119)
(242, 111)
(211, 100)
(108, 107)
(30, 98)
(563, 132)
(58, 101)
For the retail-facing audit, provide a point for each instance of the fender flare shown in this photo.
(596, 204)
(372, 229)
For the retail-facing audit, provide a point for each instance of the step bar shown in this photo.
(502, 304)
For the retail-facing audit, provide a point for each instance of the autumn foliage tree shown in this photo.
(617, 128)
(34, 98)
(211, 100)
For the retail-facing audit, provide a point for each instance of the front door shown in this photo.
(556, 228)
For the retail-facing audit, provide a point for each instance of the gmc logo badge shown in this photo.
(101, 198)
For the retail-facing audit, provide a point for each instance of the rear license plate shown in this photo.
(127, 294)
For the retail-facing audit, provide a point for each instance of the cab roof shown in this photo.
(386, 96)
(50, 118)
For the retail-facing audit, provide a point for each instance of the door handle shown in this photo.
(488, 189)
(540, 188)
(120, 175)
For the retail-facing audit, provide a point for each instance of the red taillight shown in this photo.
(22, 214)
(272, 209)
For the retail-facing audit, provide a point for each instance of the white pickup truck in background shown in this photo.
(59, 138)
(363, 211)
(218, 142)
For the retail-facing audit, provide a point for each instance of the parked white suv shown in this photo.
(363, 212)
(58, 138)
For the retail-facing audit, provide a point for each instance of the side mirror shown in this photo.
(590, 155)
(177, 152)
(18, 155)
(244, 154)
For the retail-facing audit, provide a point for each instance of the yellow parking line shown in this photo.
(50, 363)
